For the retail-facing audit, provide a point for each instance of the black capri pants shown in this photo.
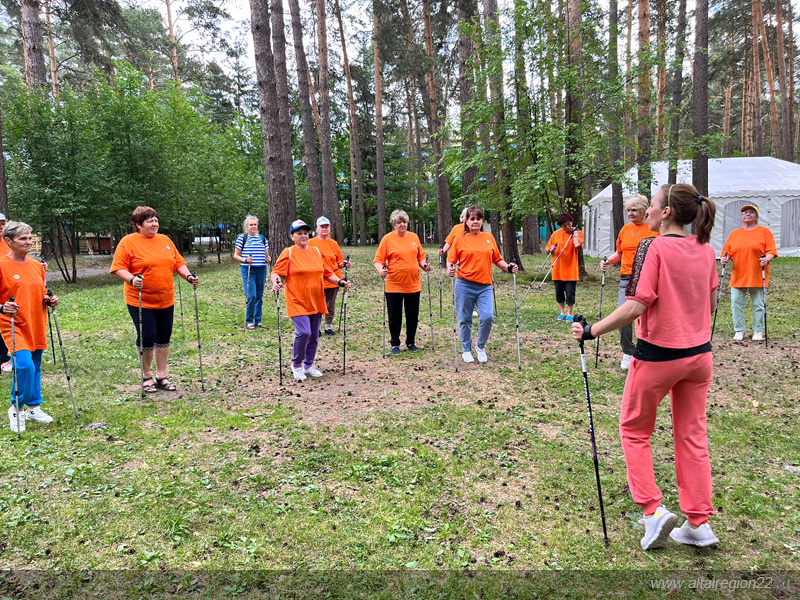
(565, 292)
(394, 306)
(157, 326)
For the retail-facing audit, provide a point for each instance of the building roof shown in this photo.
(741, 177)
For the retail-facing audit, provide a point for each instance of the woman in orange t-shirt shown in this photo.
(564, 245)
(302, 268)
(332, 255)
(5, 359)
(750, 247)
(455, 231)
(23, 278)
(470, 259)
(398, 260)
(627, 242)
(154, 259)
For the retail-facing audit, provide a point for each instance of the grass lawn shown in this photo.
(399, 464)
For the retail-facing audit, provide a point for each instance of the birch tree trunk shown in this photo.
(3, 183)
(700, 98)
(310, 156)
(379, 123)
(35, 72)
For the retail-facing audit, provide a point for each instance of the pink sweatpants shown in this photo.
(687, 381)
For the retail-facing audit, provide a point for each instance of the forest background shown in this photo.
(354, 109)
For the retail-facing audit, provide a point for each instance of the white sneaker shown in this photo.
(758, 336)
(738, 336)
(626, 362)
(299, 373)
(657, 528)
(700, 536)
(467, 357)
(37, 414)
(312, 371)
(12, 420)
(481, 354)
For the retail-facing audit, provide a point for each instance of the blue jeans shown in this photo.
(468, 295)
(29, 374)
(254, 293)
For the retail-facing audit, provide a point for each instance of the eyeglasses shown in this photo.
(749, 212)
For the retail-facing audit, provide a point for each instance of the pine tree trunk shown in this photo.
(173, 44)
(746, 118)
(443, 207)
(310, 156)
(788, 151)
(354, 139)
(615, 125)
(661, 88)
(51, 49)
(486, 142)
(645, 132)
(35, 72)
(775, 141)
(726, 119)
(573, 119)
(629, 153)
(677, 94)
(467, 10)
(758, 119)
(379, 166)
(700, 98)
(282, 90)
(281, 211)
(789, 19)
(330, 198)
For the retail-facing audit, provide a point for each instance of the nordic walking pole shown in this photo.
(49, 323)
(554, 263)
(15, 391)
(455, 347)
(719, 295)
(141, 335)
(516, 320)
(430, 305)
(199, 344)
(384, 310)
(64, 359)
(602, 292)
(494, 297)
(280, 340)
(346, 276)
(582, 320)
(441, 274)
(180, 302)
(764, 287)
(343, 315)
(533, 282)
(246, 295)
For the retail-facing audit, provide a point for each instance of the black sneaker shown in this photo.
(412, 348)
(329, 331)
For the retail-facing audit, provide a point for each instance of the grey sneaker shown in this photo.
(657, 528)
(700, 536)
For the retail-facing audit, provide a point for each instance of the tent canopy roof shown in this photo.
(740, 177)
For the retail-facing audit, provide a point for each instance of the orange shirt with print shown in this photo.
(745, 249)
(456, 231)
(304, 271)
(627, 241)
(566, 269)
(331, 254)
(402, 253)
(157, 259)
(24, 281)
(475, 255)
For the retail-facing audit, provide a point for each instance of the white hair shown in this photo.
(249, 218)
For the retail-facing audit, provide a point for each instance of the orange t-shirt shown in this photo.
(627, 241)
(24, 281)
(4, 249)
(475, 255)
(403, 255)
(331, 254)
(157, 259)
(566, 269)
(745, 249)
(454, 233)
(304, 271)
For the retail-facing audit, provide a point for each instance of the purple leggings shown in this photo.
(306, 338)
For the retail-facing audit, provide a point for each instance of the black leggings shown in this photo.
(394, 307)
(157, 325)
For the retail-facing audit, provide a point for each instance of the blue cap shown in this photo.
(299, 224)
(323, 221)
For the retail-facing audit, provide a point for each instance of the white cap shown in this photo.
(323, 221)
(3, 217)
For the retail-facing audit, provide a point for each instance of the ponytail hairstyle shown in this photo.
(468, 212)
(690, 207)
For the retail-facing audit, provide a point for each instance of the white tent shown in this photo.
(771, 184)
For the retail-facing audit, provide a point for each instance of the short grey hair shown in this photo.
(638, 202)
(14, 229)
(249, 218)
(398, 215)
(463, 214)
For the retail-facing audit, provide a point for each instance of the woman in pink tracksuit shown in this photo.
(672, 292)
